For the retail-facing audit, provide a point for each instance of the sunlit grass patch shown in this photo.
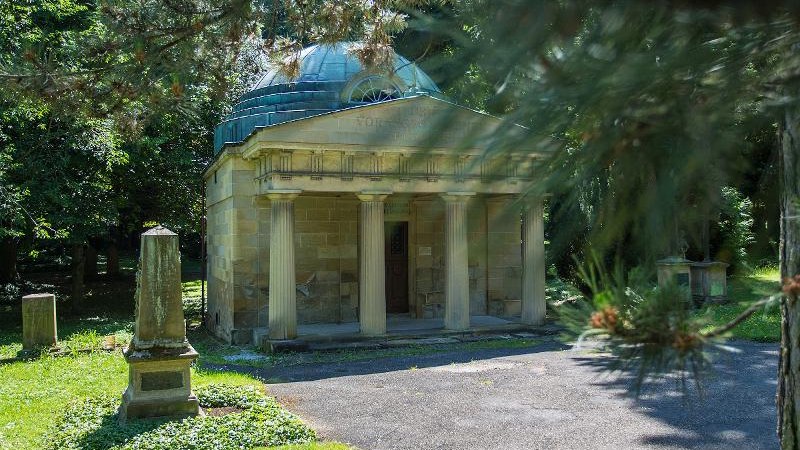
(34, 393)
(191, 289)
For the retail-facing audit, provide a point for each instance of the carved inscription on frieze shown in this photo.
(419, 124)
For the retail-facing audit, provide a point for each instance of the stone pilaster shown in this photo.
(456, 313)
(282, 296)
(372, 283)
(533, 265)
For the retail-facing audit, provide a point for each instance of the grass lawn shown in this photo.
(763, 326)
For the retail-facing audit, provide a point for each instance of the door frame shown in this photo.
(408, 306)
(402, 208)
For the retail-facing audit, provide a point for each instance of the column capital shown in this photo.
(283, 194)
(373, 196)
(530, 201)
(456, 196)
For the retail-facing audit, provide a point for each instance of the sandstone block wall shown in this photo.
(219, 228)
(326, 255)
(235, 273)
(504, 253)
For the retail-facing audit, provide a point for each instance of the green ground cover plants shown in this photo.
(256, 419)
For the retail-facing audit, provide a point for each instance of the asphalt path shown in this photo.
(543, 397)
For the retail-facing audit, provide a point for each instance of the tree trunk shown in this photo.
(91, 262)
(8, 260)
(112, 260)
(788, 396)
(78, 268)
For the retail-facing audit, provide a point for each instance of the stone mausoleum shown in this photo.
(349, 196)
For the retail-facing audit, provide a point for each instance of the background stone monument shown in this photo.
(38, 321)
(709, 282)
(674, 269)
(159, 356)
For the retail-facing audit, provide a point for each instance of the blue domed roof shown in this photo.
(330, 78)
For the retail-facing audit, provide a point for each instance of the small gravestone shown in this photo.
(159, 356)
(38, 321)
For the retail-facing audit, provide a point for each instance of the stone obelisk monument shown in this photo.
(159, 356)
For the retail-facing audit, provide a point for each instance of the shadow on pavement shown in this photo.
(734, 409)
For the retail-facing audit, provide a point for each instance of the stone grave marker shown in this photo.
(159, 355)
(38, 321)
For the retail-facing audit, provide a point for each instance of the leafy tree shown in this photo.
(125, 95)
(60, 172)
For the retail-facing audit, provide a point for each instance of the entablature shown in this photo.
(398, 171)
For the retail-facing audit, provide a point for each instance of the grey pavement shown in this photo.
(543, 397)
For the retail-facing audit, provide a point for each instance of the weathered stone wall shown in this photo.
(476, 235)
(428, 239)
(219, 210)
(326, 258)
(233, 249)
(504, 252)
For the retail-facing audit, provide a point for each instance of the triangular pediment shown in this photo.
(414, 123)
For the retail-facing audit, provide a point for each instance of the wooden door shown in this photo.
(396, 267)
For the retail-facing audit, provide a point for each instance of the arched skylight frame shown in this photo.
(374, 88)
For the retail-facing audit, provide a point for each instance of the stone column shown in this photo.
(38, 320)
(533, 265)
(456, 291)
(372, 264)
(282, 300)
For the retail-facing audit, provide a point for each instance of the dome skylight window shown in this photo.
(374, 89)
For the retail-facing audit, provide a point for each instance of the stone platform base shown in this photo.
(159, 408)
(283, 345)
(159, 384)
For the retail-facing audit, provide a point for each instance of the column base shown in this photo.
(372, 333)
(456, 326)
